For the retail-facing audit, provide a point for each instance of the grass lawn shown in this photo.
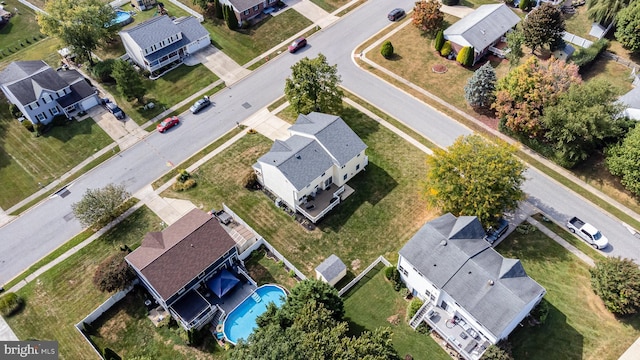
(22, 27)
(45, 49)
(564, 233)
(64, 295)
(26, 160)
(369, 304)
(386, 209)
(330, 5)
(166, 91)
(578, 325)
(474, 4)
(245, 45)
(266, 270)
(578, 23)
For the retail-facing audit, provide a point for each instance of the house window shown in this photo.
(344, 177)
(41, 117)
(357, 167)
(54, 111)
(427, 294)
(246, 12)
(444, 305)
(255, 8)
(403, 270)
(433, 297)
(271, 1)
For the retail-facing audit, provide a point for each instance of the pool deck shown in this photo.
(234, 297)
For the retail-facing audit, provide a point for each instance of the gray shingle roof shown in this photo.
(331, 267)
(450, 253)
(300, 159)
(191, 29)
(152, 31)
(333, 133)
(21, 69)
(29, 89)
(242, 5)
(482, 27)
(632, 98)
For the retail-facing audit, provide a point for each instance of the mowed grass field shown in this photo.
(385, 210)
(64, 295)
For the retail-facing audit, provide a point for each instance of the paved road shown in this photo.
(47, 226)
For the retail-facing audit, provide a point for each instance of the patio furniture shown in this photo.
(463, 335)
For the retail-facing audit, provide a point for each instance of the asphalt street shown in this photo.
(47, 226)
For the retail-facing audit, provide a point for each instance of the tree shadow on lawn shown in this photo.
(66, 132)
(554, 339)
(370, 186)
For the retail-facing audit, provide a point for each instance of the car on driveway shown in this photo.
(115, 110)
(496, 232)
(200, 104)
(396, 14)
(168, 123)
(297, 44)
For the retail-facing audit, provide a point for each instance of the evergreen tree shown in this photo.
(128, 81)
(387, 49)
(230, 18)
(480, 91)
(219, 10)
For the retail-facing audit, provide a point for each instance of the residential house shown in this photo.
(631, 100)
(181, 265)
(161, 43)
(331, 270)
(41, 93)
(473, 296)
(482, 29)
(308, 171)
(143, 4)
(246, 10)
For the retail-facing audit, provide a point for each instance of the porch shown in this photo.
(315, 207)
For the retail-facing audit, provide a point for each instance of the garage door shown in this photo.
(89, 103)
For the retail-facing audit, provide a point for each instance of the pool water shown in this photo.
(122, 17)
(241, 321)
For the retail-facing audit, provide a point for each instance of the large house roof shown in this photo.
(335, 136)
(18, 70)
(173, 257)
(242, 5)
(152, 31)
(632, 98)
(27, 79)
(482, 27)
(451, 253)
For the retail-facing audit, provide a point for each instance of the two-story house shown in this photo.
(309, 170)
(193, 253)
(41, 93)
(160, 43)
(473, 296)
(246, 10)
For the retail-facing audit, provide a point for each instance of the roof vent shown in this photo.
(443, 242)
(191, 245)
(490, 282)
(298, 156)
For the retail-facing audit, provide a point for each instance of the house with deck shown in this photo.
(160, 43)
(189, 267)
(41, 92)
(473, 296)
(482, 30)
(308, 172)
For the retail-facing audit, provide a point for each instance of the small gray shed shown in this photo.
(331, 270)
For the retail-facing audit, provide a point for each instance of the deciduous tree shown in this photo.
(628, 27)
(480, 91)
(318, 291)
(80, 24)
(617, 282)
(314, 86)
(100, 205)
(515, 39)
(475, 177)
(427, 16)
(113, 274)
(622, 160)
(543, 26)
(525, 91)
(605, 11)
(128, 81)
(582, 120)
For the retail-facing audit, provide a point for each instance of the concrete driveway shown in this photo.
(311, 11)
(124, 132)
(219, 63)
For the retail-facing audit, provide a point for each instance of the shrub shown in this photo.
(281, 263)
(413, 307)
(540, 312)
(405, 292)
(183, 175)
(388, 272)
(446, 48)
(525, 5)
(584, 57)
(28, 125)
(450, 2)
(102, 70)
(439, 41)
(60, 120)
(423, 328)
(500, 351)
(113, 273)
(250, 180)
(617, 282)
(387, 49)
(465, 56)
(10, 303)
(292, 273)
(183, 186)
(15, 112)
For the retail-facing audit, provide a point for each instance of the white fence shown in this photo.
(261, 241)
(576, 40)
(364, 272)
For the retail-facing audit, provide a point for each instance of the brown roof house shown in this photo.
(188, 267)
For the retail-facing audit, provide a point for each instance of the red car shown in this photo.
(168, 123)
(297, 44)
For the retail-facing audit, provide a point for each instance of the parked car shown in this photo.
(115, 110)
(200, 104)
(495, 233)
(297, 44)
(588, 233)
(396, 14)
(168, 123)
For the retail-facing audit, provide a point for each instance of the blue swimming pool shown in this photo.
(241, 321)
(122, 18)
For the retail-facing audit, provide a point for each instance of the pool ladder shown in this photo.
(256, 297)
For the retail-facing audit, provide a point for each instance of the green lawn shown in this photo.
(64, 295)
(372, 302)
(385, 210)
(21, 29)
(578, 23)
(45, 49)
(166, 91)
(578, 326)
(266, 270)
(563, 232)
(26, 160)
(245, 45)
(330, 5)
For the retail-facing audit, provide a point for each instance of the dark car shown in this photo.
(115, 110)
(496, 232)
(168, 123)
(396, 14)
(200, 104)
(297, 44)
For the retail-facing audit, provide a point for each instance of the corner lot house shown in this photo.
(161, 44)
(482, 29)
(41, 93)
(473, 296)
(309, 171)
(188, 267)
